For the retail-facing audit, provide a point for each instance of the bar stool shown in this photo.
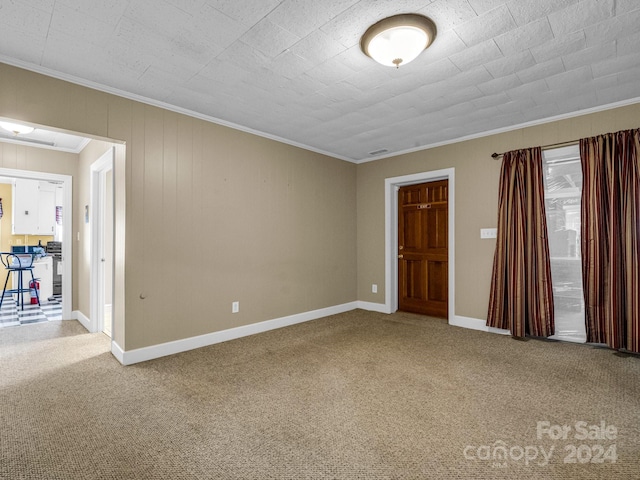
(19, 263)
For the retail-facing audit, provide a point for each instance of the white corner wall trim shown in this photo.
(372, 307)
(476, 324)
(82, 318)
(138, 355)
(117, 352)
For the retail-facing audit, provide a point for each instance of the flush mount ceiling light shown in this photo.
(397, 40)
(16, 128)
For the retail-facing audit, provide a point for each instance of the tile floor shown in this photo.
(11, 315)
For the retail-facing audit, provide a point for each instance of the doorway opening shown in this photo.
(101, 210)
(422, 248)
(54, 272)
(72, 154)
(392, 187)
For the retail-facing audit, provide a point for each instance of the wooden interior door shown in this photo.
(423, 248)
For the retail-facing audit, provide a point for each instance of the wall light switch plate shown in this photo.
(235, 307)
(374, 288)
(488, 233)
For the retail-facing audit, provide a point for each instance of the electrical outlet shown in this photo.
(374, 288)
(235, 307)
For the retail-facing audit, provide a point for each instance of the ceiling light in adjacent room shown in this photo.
(16, 128)
(397, 40)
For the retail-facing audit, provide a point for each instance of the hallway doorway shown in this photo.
(101, 216)
(55, 270)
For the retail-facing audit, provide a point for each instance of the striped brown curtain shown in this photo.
(611, 238)
(521, 292)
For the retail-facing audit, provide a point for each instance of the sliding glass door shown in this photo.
(563, 190)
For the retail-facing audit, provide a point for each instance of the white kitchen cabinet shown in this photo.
(25, 207)
(46, 209)
(34, 208)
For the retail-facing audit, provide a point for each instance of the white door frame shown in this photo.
(96, 220)
(391, 187)
(67, 226)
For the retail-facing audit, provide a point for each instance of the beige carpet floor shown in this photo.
(353, 396)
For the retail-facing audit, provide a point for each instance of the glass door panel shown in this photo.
(563, 190)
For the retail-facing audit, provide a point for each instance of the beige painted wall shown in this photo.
(213, 215)
(476, 200)
(20, 157)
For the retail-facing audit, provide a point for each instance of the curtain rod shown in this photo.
(495, 156)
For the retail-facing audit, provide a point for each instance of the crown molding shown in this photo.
(167, 106)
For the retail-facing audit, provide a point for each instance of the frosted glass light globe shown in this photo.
(398, 40)
(398, 46)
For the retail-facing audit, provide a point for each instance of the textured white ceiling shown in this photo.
(293, 69)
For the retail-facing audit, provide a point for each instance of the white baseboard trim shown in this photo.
(117, 352)
(143, 354)
(372, 307)
(80, 317)
(476, 324)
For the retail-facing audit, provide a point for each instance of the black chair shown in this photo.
(19, 263)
